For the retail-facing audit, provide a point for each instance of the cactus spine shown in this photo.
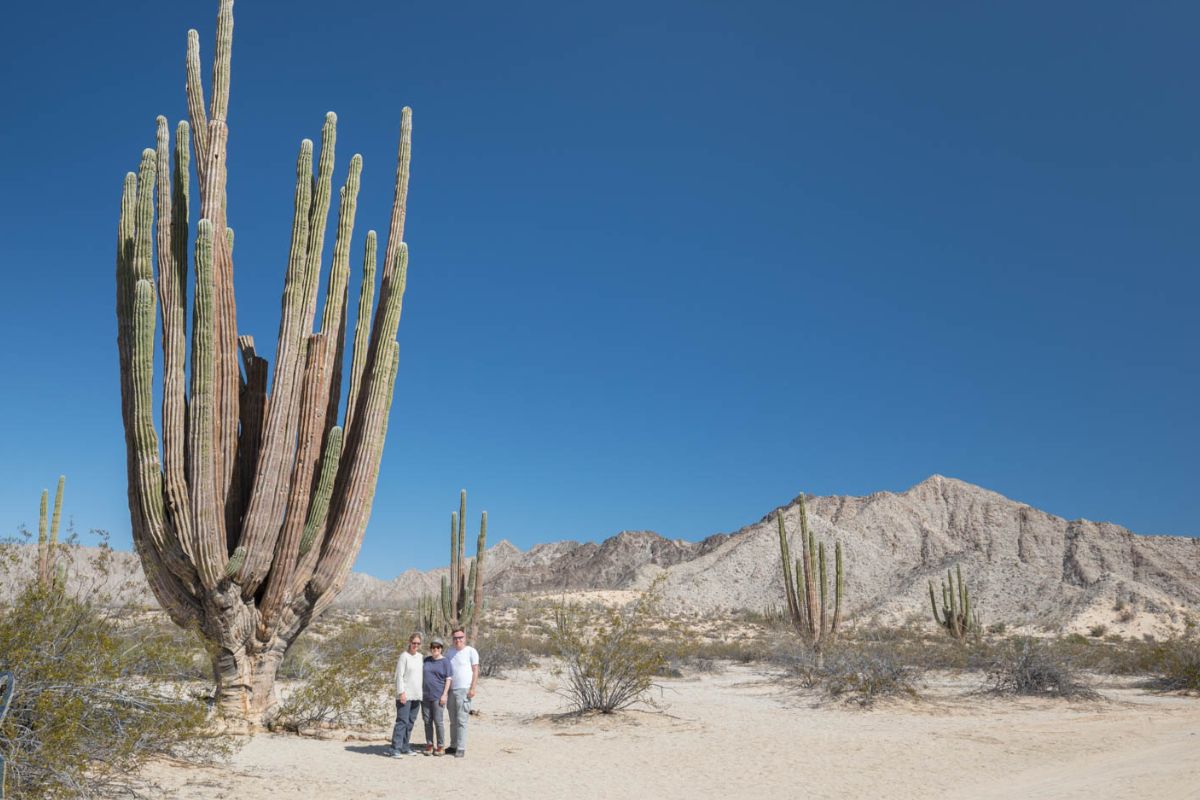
(47, 573)
(249, 521)
(462, 592)
(806, 581)
(956, 614)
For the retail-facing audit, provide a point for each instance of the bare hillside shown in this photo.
(1025, 566)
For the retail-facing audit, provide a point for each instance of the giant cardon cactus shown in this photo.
(807, 588)
(250, 511)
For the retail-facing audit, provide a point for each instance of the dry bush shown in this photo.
(92, 704)
(1029, 667)
(859, 673)
(612, 665)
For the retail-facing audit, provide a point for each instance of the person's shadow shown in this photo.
(370, 749)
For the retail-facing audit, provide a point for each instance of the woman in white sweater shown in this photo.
(409, 678)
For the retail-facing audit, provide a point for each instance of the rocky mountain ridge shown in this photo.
(1024, 566)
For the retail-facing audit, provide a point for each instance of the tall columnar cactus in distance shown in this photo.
(807, 586)
(250, 510)
(462, 592)
(47, 572)
(956, 615)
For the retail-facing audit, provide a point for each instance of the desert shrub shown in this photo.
(1097, 631)
(614, 664)
(1126, 614)
(1028, 667)
(501, 651)
(997, 628)
(346, 680)
(1172, 665)
(91, 705)
(859, 674)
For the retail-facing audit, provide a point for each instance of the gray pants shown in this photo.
(431, 713)
(460, 708)
(406, 718)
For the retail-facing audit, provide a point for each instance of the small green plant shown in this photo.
(956, 614)
(1097, 631)
(614, 665)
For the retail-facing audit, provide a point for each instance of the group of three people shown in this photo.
(426, 685)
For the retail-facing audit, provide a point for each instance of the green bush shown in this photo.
(91, 704)
(345, 681)
(614, 665)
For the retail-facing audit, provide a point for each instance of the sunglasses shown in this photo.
(456, 638)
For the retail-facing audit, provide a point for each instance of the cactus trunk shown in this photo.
(248, 522)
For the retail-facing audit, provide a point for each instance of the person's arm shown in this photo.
(446, 690)
(474, 677)
(400, 672)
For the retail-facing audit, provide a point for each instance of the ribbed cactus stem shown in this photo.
(838, 587)
(43, 541)
(320, 505)
(461, 573)
(824, 587)
(452, 606)
(477, 576)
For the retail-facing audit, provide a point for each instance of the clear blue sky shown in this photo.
(672, 262)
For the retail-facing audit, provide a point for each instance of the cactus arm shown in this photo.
(937, 617)
(447, 613)
(460, 576)
(788, 580)
(265, 512)
(207, 511)
(43, 542)
(172, 230)
(477, 575)
(313, 404)
(837, 587)
(824, 587)
(252, 409)
(809, 582)
(195, 102)
(362, 328)
(316, 519)
(333, 320)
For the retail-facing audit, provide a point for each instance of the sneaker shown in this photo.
(412, 752)
(439, 751)
(428, 749)
(396, 754)
(460, 753)
(450, 750)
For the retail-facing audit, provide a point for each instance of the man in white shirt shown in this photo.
(464, 674)
(409, 678)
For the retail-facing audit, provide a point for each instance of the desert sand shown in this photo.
(744, 732)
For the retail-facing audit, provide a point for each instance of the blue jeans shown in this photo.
(406, 717)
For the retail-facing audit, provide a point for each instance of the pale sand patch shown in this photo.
(740, 732)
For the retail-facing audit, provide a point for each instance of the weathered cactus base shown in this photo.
(245, 692)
